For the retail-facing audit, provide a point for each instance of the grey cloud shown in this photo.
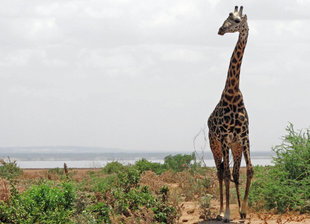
(145, 74)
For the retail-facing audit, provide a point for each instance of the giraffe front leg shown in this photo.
(220, 174)
(250, 172)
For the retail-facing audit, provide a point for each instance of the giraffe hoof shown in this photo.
(219, 218)
(242, 215)
(226, 220)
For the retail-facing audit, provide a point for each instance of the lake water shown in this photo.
(74, 157)
(101, 163)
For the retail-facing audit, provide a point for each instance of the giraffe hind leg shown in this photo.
(237, 156)
(216, 149)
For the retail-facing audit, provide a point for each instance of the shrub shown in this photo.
(9, 169)
(287, 184)
(103, 184)
(179, 162)
(163, 212)
(101, 212)
(40, 204)
(205, 203)
(144, 165)
(132, 200)
(113, 167)
(128, 179)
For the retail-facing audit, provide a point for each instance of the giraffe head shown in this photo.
(234, 22)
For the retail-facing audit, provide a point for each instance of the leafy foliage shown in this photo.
(287, 184)
(103, 184)
(40, 204)
(113, 167)
(144, 165)
(9, 169)
(101, 212)
(129, 179)
(163, 212)
(179, 162)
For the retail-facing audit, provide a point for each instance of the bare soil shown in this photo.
(191, 213)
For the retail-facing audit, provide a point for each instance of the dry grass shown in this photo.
(4, 190)
(153, 181)
(145, 216)
(190, 186)
(35, 174)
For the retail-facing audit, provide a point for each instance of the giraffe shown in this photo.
(228, 123)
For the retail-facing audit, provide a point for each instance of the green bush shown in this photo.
(133, 200)
(9, 169)
(176, 163)
(104, 184)
(101, 212)
(113, 167)
(179, 162)
(286, 185)
(163, 212)
(128, 179)
(144, 165)
(40, 204)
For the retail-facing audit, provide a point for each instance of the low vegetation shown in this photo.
(144, 192)
(43, 203)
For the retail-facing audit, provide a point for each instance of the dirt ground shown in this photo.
(191, 213)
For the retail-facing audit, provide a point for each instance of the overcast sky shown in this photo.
(145, 75)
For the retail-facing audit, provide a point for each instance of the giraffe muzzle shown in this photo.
(221, 31)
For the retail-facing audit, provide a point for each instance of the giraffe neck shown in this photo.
(232, 81)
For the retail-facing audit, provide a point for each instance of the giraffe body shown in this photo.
(228, 123)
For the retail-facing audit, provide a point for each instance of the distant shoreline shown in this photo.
(96, 156)
(82, 160)
(102, 163)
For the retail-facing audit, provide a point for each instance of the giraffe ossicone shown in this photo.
(229, 123)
